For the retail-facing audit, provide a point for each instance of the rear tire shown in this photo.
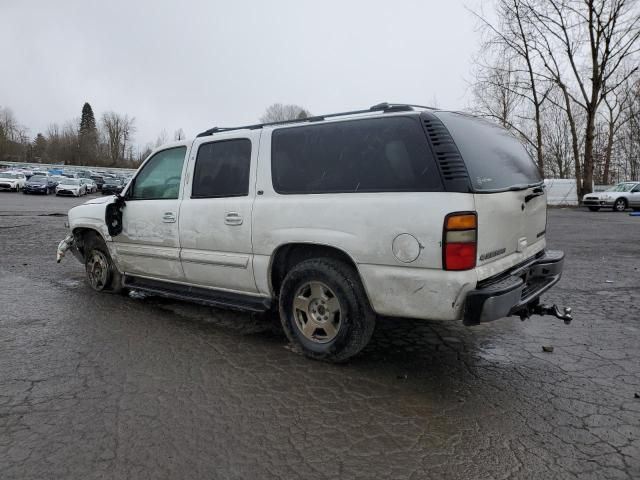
(620, 205)
(594, 209)
(324, 310)
(102, 274)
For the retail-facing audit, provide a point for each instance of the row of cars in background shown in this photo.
(74, 183)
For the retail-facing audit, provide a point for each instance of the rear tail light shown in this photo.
(459, 242)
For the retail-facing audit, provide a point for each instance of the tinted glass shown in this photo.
(495, 159)
(222, 169)
(160, 177)
(370, 155)
(38, 179)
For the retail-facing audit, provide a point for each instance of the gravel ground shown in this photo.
(103, 386)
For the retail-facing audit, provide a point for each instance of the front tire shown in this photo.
(620, 205)
(325, 311)
(594, 209)
(102, 274)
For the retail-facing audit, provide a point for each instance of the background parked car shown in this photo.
(619, 197)
(12, 181)
(112, 186)
(90, 185)
(71, 187)
(99, 181)
(40, 184)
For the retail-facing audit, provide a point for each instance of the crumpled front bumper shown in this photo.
(515, 291)
(68, 244)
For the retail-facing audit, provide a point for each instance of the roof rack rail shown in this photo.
(384, 107)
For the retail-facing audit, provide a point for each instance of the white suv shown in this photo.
(395, 210)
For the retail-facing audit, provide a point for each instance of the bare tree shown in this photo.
(511, 38)
(14, 138)
(594, 40)
(179, 135)
(163, 137)
(280, 113)
(627, 165)
(118, 131)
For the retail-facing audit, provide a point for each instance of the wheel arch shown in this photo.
(80, 234)
(288, 255)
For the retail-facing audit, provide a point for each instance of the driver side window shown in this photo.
(160, 178)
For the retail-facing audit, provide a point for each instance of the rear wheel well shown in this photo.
(288, 256)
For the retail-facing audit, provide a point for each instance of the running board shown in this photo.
(203, 296)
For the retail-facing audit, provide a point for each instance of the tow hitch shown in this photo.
(541, 309)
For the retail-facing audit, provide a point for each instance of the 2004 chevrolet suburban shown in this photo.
(397, 210)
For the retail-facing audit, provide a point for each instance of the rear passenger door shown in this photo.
(215, 214)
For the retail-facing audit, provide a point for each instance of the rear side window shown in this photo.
(222, 169)
(369, 155)
(495, 159)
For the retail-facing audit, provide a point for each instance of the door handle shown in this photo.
(169, 217)
(233, 218)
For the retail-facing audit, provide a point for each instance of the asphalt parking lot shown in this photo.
(103, 386)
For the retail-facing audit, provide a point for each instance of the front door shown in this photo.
(149, 244)
(215, 214)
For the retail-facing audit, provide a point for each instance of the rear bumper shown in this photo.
(510, 293)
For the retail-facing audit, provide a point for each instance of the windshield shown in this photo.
(112, 181)
(621, 187)
(38, 180)
(495, 159)
(9, 175)
(69, 181)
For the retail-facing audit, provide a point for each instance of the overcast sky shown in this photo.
(197, 64)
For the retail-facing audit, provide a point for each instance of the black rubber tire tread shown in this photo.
(358, 318)
(594, 209)
(94, 241)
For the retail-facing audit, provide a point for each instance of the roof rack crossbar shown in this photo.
(380, 107)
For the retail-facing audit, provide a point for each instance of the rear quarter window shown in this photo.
(368, 155)
(495, 159)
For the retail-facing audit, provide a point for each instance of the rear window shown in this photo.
(495, 159)
(369, 155)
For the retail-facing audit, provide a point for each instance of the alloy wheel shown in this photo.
(317, 313)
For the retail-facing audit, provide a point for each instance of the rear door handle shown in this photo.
(233, 218)
(169, 217)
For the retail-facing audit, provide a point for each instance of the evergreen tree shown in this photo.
(88, 136)
(40, 148)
